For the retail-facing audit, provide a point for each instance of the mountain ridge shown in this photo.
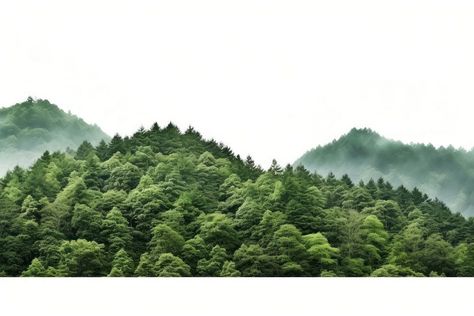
(29, 128)
(364, 154)
(166, 203)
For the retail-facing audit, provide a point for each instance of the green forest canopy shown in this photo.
(445, 173)
(167, 203)
(30, 128)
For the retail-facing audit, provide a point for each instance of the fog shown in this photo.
(445, 173)
(268, 78)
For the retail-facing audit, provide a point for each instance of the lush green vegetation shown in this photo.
(28, 129)
(166, 203)
(445, 173)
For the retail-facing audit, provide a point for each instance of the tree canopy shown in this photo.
(166, 203)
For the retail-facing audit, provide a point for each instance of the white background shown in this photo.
(269, 78)
(236, 297)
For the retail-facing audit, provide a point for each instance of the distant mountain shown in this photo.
(28, 129)
(445, 173)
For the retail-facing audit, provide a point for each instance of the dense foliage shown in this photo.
(166, 203)
(445, 173)
(28, 129)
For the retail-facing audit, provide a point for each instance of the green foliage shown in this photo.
(321, 254)
(213, 265)
(165, 240)
(169, 265)
(82, 258)
(122, 265)
(390, 270)
(229, 270)
(36, 269)
(116, 231)
(163, 203)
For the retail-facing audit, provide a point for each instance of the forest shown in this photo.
(30, 128)
(445, 172)
(166, 203)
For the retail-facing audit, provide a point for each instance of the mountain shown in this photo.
(167, 203)
(445, 173)
(28, 129)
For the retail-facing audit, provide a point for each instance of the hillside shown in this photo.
(28, 129)
(167, 203)
(445, 173)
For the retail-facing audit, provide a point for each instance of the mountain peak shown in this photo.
(29, 128)
(363, 154)
(363, 132)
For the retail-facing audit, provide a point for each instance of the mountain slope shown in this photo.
(445, 173)
(28, 129)
(167, 203)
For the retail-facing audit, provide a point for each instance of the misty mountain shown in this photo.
(28, 129)
(445, 173)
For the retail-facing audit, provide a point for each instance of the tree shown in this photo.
(86, 222)
(169, 265)
(122, 265)
(36, 269)
(165, 240)
(389, 213)
(269, 224)
(391, 270)
(288, 246)
(229, 270)
(116, 231)
(145, 266)
(465, 260)
(29, 208)
(125, 177)
(407, 246)
(213, 265)
(357, 198)
(437, 256)
(251, 261)
(247, 217)
(374, 238)
(84, 150)
(288, 241)
(82, 258)
(321, 254)
(194, 250)
(217, 229)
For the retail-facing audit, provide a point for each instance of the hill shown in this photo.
(167, 203)
(445, 173)
(28, 129)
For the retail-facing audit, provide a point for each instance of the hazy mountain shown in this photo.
(446, 173)
(28, 129)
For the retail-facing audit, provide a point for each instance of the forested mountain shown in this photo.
(445, 173)
(167, 203)
(28, 129)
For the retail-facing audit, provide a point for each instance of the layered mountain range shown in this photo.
(167, 203)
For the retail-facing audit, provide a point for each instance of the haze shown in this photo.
(268, 78)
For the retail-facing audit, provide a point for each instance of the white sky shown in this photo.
(268, 78)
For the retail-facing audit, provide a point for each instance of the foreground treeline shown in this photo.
(165, 203)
